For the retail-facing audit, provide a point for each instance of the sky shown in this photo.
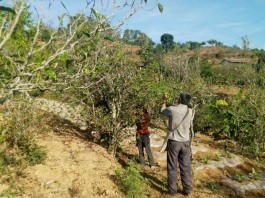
(226, 21)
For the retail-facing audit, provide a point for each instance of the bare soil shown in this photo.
(206, 182)
(76, 167)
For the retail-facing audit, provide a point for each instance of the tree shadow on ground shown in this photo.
(64, 127)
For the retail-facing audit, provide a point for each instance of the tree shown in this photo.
(136, 37)
(167, 41)
(38, 65)
(203, 43)
(245, 42)
(81, 60)
(193, 45)
(212, 42)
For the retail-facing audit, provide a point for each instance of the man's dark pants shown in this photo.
(179, 152)
(143, 141)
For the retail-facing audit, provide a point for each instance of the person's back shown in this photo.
(176, 115)
(178, 145)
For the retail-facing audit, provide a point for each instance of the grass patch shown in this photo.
(35, 155)
(131, 181)
(10, 192)
(213, 186)
(6, 161)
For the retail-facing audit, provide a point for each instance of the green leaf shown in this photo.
(70, 70)
(87, 34)
(49, 72)
(221, 103)
(61, 18)
(86, 70)
(64, 57)
(7, 9)
(96, 14)
(160, 7)
(93, 75)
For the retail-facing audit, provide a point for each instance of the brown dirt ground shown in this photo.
(202, 178)
(74, 168)
(78, 168)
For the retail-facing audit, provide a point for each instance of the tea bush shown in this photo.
(131, 182)
(240, 118)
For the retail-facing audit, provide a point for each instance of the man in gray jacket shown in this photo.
(178, 144)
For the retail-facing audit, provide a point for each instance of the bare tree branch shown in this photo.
(22, 6)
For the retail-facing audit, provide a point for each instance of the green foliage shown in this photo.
(50, 72)
(218, 156)
(167, 41)
(213, 186)
(23, 121)
(245, 42)
(240, 119)
(192, 45)
(160, 7)
(6, 161)
(205, 160)
(240, 178)
(221, 103)
(259, 67)
(10, 192)
(234, 74)
(45, 35)
(7, 9)
(84, 62)
(206, 70)
(253, 174)
(136, 37)
(131, 182)
(213, 42)
(35, 155)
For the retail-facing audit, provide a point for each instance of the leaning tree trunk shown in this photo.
(116, 128)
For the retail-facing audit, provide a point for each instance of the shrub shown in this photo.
(206, 70)
(240, 118)
(23, 122)
(35, 155)
(131, 182)
(11, 191)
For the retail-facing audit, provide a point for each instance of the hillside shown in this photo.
(214, 54)
(77, 167)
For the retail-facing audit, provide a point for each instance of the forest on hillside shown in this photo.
(88, 62)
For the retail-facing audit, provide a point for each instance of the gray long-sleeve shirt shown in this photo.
(176, 115)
